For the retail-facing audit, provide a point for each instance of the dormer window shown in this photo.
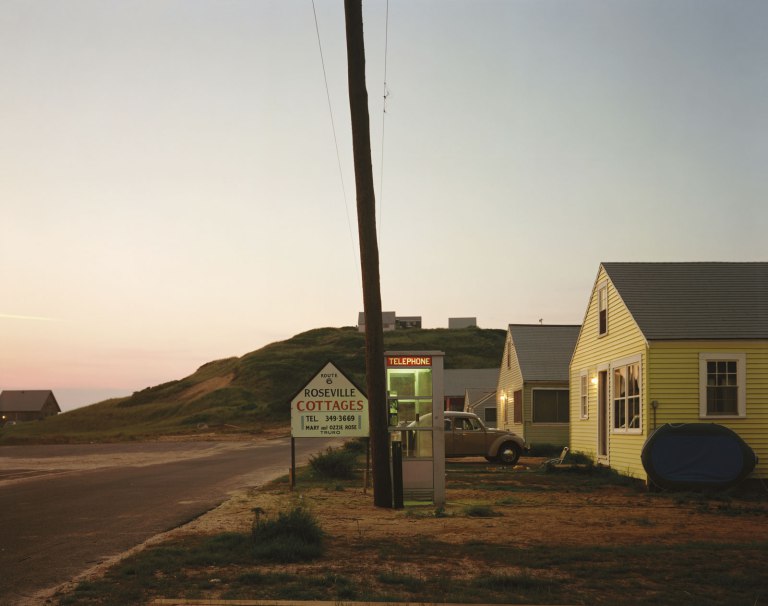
(602, 310)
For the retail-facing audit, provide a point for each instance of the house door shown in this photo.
(602, 414)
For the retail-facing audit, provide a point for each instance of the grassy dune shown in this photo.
(250, 393)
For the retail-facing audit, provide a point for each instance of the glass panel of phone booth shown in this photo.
(410, 410)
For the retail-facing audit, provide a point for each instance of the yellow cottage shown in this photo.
(533, 383)
(670, 343)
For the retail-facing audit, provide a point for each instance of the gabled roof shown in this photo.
(544, 350)
(457, 380)
(31, 400)
(475, 396)
(694, 300)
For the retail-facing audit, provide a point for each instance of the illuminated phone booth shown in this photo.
(415, 401)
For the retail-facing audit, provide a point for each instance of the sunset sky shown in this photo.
(171, 194)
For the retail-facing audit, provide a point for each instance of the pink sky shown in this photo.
(171, 194)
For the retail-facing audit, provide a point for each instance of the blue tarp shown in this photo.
(695, 456)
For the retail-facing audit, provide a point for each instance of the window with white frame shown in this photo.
(722, 384)
(626, 398)
(602, 310)
(584, 395)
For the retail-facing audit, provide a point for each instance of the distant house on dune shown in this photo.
(27, 405)
(462, 323)
(391, 321)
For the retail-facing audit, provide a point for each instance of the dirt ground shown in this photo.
(606, 514)
(609, 514)
(526, 514)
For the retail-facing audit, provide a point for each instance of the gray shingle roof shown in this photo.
(30, 400)
(544, 351)
(457, 380)
(694, 300)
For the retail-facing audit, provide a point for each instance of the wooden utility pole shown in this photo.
(369, 256)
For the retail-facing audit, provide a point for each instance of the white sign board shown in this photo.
(330, 405)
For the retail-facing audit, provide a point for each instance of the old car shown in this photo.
(467, 436)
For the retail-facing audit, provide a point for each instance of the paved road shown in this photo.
(65, 508)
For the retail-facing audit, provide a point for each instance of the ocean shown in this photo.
(69, 398)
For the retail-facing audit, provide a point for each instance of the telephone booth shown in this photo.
(415, 400)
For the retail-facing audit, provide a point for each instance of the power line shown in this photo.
(383, 116)
(335, 139)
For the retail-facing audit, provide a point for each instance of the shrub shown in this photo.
(293, 537)
(356, 446)
(334, 463)
(544, 450)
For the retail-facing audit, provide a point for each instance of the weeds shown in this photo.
(480, 511)
(508, 501)
(292, 537)
(335, 463)
(406, 581)
(506, 582)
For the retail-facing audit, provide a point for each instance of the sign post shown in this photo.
(331, 405)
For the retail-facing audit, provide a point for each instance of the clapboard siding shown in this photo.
(674, 381)
(623, 340)
(510, 380)
(669, 366)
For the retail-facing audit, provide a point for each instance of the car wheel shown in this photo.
(508, 454)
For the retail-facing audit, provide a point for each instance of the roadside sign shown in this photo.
(330, 405)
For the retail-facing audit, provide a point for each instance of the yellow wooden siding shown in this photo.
(510, 380)
(622, 340)
(673, 372)
(555, 434)
(583, 432)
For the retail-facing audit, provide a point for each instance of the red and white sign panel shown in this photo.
(330, 405)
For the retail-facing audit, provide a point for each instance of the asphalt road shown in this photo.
(65, 508)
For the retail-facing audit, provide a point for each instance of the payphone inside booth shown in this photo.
(415, 403)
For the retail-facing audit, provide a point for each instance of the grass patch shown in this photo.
(294, 536)
(405, 581)
(480, 511)
(507, 582)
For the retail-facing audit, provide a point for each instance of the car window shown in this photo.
(474, 424)
(466, 424)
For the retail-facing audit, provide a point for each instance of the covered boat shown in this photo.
(697, 456)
